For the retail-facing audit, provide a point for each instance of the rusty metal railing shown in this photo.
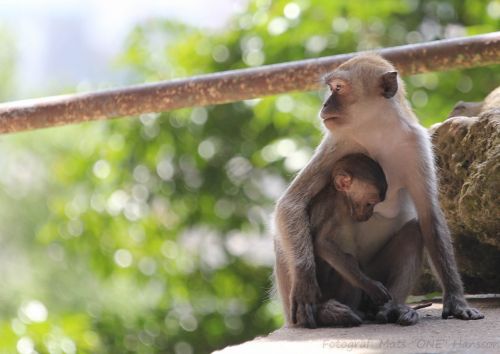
(237, 85)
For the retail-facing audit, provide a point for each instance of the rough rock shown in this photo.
(468, 158)
(468, 151)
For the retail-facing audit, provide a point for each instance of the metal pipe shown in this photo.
(236, 85)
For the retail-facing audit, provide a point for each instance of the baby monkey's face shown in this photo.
(362, 197)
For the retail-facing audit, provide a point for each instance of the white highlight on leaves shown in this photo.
(465, 84)
(419, 98)
(188, 322)
(220, 53)
(101, 169)
(285, 104)
(165, 169)
(207, 244)
(340, 24)
(316, 44)
(297, 160)
(414, 37)
(141, 174)
(206, 149)
(183, 348)
(147, 266)
(254, 57)
(493, 9)
(244, 245)
(68, 346)
(285, 147)
(277, 26)
(199, 115)
(140, 192)
(238, 169)
(25, 345)
(34, 311)
(116, 142)
(123, 258)
(251, 43)
(148, 119)
(169, 249)
(116, 202)
(291, 11)
(18, 327)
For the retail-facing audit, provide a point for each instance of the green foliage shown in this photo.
(149, 235)
(7, 58)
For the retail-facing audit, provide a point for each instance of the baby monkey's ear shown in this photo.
(343, 181)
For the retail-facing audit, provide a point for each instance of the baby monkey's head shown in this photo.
(363, 183)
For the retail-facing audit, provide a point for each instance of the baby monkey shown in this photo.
(357, 184)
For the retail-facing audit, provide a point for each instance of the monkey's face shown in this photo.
(335, 109)
(362, 198)
(363, 81)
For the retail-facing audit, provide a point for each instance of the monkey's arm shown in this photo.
(347, 266)
(422, 186)
(293, 233)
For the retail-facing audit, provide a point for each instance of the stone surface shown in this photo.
(468, 159)
(468, 153)
(430, 335)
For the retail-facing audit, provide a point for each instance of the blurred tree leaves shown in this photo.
(151, 234)
(7, 58)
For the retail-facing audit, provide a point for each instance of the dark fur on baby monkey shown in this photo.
(357, 185)
(360, 183)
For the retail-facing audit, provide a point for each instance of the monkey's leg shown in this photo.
(305, 316)
(284, 285)
(422, 186)
(339, 298)
(347, 266)
(397, 265)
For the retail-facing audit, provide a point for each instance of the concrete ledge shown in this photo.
(431, 335)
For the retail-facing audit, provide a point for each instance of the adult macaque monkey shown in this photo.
(367, 112)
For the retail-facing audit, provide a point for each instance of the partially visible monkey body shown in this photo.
(367, 113)
(358, 184)
(474, 109)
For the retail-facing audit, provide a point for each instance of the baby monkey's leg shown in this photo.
(398, 266)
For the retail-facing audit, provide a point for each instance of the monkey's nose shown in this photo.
(326, 116)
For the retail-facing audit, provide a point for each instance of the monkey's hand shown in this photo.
(458, 308)
(377, 292)
(304, 298)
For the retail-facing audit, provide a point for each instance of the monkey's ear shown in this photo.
(343, 182)
(389, 84)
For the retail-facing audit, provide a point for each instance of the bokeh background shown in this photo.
(151, 234)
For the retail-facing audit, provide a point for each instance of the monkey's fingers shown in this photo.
(446, 314)
(475, 314)
(311, 315)
(469, 314)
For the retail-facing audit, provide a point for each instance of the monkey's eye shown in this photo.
(336, 87)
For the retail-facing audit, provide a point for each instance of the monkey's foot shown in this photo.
(334, 314)
(458, 308)
(397, 313)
